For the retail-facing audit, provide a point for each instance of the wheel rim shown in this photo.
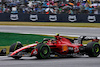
(45, 51)
(97, 49)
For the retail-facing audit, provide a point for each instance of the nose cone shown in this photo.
(23, 48)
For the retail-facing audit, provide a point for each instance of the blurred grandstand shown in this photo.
(50, 6)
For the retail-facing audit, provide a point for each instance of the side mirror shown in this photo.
(46, 39)
(36, 42)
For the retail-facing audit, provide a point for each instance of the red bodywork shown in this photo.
(23, 48)
(60, 45)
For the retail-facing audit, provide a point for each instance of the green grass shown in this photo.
(6, 39)
(57, 24)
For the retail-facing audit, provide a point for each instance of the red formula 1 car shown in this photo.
(60, 46)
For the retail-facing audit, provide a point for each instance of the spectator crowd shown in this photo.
(50, 7)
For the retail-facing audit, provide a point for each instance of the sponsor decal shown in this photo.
(53, 17)
(76, 49)
(91, 18)
(14, 17)
(33, 17)
(72, 18)
(70, 48)
(34, 52)
(64, 48)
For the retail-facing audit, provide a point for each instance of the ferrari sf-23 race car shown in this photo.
(59, 47)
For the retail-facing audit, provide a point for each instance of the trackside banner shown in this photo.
(50, 17)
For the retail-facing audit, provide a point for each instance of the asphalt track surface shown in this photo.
(53, 62)
(71, 31)
(83, 61)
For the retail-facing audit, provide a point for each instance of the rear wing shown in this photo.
(89, 37)
(82, 38)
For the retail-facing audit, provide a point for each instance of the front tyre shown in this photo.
(15, 46)
(43, 51)
(93, 49)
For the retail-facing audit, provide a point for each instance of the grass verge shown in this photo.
(6, 39)
(57, 24)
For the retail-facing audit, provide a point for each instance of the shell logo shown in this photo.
(64, 48)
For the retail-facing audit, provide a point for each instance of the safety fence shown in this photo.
(50, 17)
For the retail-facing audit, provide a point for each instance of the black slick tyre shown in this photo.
(43, 51)
(93, 49)
(15, 46)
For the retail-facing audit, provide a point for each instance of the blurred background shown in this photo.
(50, 6)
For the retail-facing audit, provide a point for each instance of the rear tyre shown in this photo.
(93, 49)
(43, 51)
